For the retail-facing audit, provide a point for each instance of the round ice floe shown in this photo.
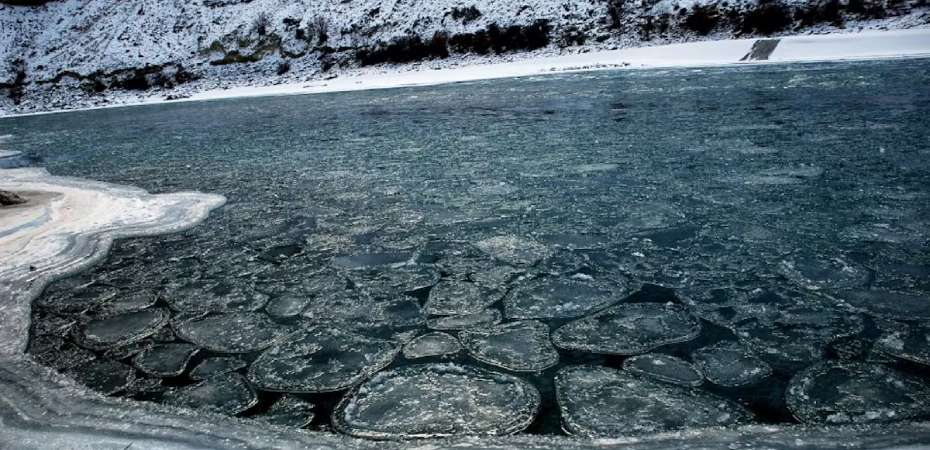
(216, 365)
(165, 360)
(855, 393)
(824, 273)
(352, 309)
(629, 329)
(911, 343)
(603, 402)
(75, 300)
(227, 394)
(518, 346)
(231, 333)
(891, 305)
(452, 297)
(320, 359)
(434, 400)
(729, 364)
(557, 298)
(432, 344)
(58, 353)
(389, 282)
(287, 305)
(104, 376)
(514, 250)
(796, 333)
(201, 296)
(122, 329)
(662, 367)
(288, 411)
(481, 319)
(129, 302)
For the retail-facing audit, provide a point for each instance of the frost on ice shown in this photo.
(911, 343)
(458, 297)
(629, 329)
(602, 402)
(105, 376)
(480, 319)
(320, 359)
(432, 344)
(227, 394)
(556, 298)
(517, 346)
(852, 392)
(728, 364)
(434, 400)
(231, 333)
(662, 367)
(211, 296)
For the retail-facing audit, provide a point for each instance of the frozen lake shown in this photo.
(596, 254)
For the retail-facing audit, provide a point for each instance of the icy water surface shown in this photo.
(594, 254)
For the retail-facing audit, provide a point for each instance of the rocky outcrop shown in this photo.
(8, 198)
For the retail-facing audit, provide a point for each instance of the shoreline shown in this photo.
(862, 45)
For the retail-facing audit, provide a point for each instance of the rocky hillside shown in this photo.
(56, 54)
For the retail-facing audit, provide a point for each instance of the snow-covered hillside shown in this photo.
(70, 53)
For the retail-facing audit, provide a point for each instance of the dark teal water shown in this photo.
(780, 204)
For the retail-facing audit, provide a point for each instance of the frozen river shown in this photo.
(597, 254)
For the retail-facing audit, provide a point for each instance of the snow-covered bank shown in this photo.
(828, 47)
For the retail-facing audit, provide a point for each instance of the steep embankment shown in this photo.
(71, 53)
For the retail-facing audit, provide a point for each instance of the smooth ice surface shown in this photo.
(165, 360)
(662, 367)
(105, 376)
(558, 298)
(857, 392)
(522, 346)
(289, 412)
(729, 364)
(434, 400)
(320, 359)
(122, 329)
(629, 329)
(231, 333)
(603, 402)
(216, 365)
(432, 344)
(227, 394)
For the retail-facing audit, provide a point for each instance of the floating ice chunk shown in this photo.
(122, 329)
(435, 400)
(370, 260)
(796, 333)
(432, 344)
(57, 353)
(165, 360)
(912, 343)
(629, 329)
(128, 302)
(518, 346)
(484, 318)
(667, 368)
(216, 365)
(728, 364)
(105, 376)
(514, 250)
(855, 393)
(556, 298)
(231, 333)
(887, 304)
(287, 305)
(227, 394)
(603, 402)
(200, 296)
(824, 273)
(453, 297)
(393, 281)
(320, 359)
(288, 411)
(82, 298)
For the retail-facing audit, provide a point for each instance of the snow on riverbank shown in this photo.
(829, 47)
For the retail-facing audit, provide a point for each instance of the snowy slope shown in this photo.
(81, 52)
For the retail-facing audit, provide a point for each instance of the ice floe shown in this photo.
(522, 346)
(227, 394)
(231, 333)
(165, 360)
(666, 368)
(560, 298)
(629, 329)
(432, 344)
(730, 365)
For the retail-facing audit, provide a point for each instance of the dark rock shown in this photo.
(9, 198)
